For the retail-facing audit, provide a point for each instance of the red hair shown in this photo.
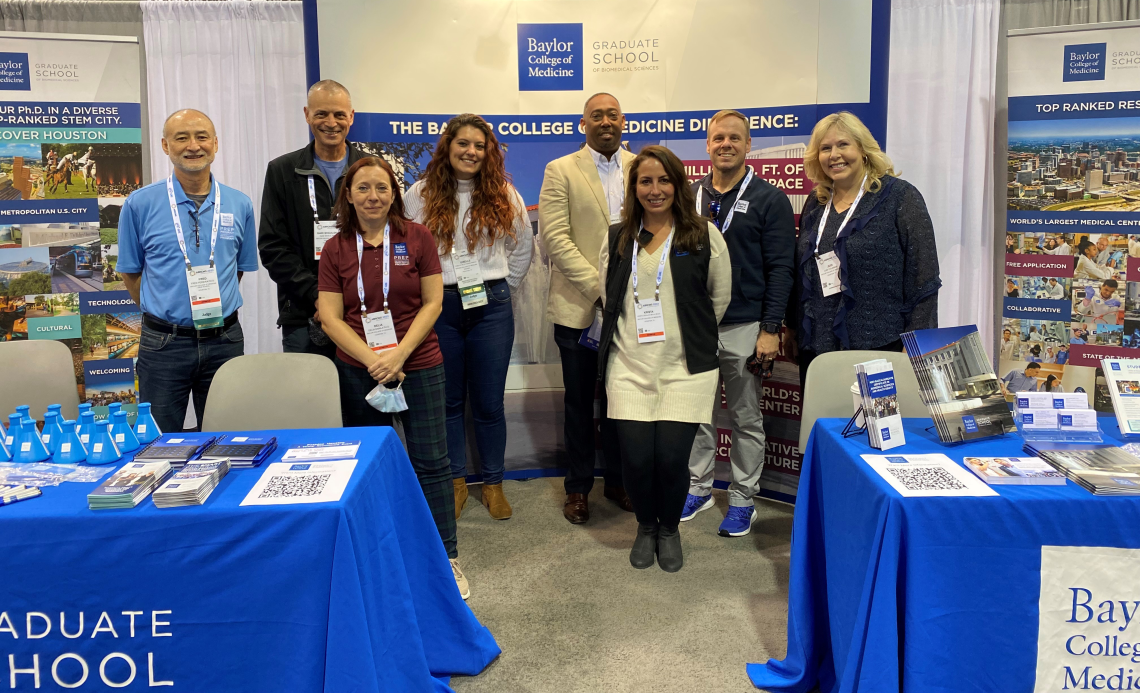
(492, 202)
(345, 212)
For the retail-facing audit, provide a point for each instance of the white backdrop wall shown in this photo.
(243, 64)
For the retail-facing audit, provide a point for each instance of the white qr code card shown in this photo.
(286, 483)
(917, 476)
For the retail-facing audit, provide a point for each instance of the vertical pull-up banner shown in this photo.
(528, 68)
(1072, 260)
(70, 153)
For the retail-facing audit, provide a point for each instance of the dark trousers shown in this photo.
(580, 378)
(424, 432)
(476, 345)
(295, 340)
(170, 367)
(655, 466)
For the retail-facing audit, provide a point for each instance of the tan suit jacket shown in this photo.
(573, 220)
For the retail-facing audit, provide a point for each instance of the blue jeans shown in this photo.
(476, 346)
(171, 367)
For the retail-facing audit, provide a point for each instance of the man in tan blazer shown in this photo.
(582, 194)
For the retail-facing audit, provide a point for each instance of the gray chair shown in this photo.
(37, 373)
(259, 392)
(827, 392)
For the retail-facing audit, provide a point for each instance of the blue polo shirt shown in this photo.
(1017, 381)
(148, 244)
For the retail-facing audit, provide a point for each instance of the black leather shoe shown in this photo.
(618, 495)
(644, 546)
(669, 550)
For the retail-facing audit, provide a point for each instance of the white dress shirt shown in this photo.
(613, 181)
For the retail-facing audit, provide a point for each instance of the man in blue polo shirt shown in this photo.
(184, 243)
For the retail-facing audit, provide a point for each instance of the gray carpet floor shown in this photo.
(571, 614)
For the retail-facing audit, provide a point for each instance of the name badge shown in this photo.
(828, 266)
(227, 219)
(400, 252)
(469, 277)
(322, 232)
(205, 297)
(650, 321)
(379, 331)
(741, 206)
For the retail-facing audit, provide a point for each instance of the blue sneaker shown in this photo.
(738, 522)
(695, 504)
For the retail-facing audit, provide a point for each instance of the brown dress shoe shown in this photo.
(496, 502)
(460, 486)
(577, 509)
(618, 495)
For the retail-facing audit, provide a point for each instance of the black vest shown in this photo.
(690, 273)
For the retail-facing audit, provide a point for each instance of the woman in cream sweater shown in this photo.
(666, 281)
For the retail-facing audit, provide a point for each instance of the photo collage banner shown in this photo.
(1071, 294)
(70, 153)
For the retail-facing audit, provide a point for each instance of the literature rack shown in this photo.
(1058, 435)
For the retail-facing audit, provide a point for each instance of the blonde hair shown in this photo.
(876, 164)
(730, 113)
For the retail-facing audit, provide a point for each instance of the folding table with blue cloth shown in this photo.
(924, 594)
(354, 595)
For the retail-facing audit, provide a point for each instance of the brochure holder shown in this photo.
(1058, 435)
(853, 428)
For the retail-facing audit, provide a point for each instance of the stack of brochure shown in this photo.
(880, 403)
(1015, 470)
(175, 448)
(1105, 471)
(957, 383)
(243, 451)
(128, 486)
(1123, 379)
(192, 484)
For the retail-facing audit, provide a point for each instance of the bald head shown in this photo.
(603, 121)
(328, 86)
(187, 117)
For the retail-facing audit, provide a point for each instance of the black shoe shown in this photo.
(669, 550)
(644, 544)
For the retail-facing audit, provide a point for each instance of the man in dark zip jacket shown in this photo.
(296, 215)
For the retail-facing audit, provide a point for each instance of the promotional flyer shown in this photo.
(1072, 262)
(529, 67)
(70, 153)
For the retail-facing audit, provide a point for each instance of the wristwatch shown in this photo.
(770, 327)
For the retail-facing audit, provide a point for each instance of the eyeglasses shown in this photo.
(714, 212)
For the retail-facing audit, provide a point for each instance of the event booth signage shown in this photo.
(528, 68)
(70, 153)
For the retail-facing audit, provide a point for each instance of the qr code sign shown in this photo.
(295, 486)
(925, 479)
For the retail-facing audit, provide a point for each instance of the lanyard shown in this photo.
(731, 212)
(360, 265)
(827, 210)
(313, 199)
(178, 221)
(660, 266)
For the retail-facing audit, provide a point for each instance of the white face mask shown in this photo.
(386, 400)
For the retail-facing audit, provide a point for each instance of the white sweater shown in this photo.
(651, 382)
(506, 258)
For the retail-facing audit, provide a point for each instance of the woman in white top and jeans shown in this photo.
(660, 388)
(480, 225)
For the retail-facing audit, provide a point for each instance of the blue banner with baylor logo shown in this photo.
(70, 153)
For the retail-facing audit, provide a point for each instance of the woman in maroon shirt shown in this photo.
(400, 345)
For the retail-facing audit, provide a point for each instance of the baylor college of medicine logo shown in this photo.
(550, 57)
(1085, 62)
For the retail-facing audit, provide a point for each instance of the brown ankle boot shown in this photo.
(496, 502)
(460, 486)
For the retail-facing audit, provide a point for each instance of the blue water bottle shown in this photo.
(102, 449)
(52, 431)
(70, 449)
(29, 447)
(85, 427)
(121, 431)
(146, 428)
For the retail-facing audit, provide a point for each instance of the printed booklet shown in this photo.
(1105, 471)
(1123, 379)
(128, 486)
(880, 403)
(243, 451)
(957, 383)
(1015, 470)
(175, 448)
(192, 484)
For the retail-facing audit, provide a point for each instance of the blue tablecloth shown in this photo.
(923, 594)
(355, 595)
